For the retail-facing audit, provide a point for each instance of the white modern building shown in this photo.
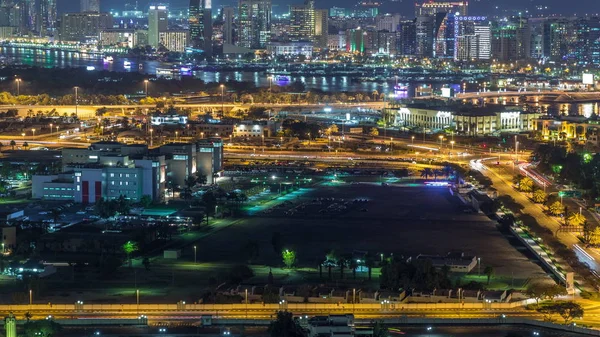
(170, 119)
(470, 121)
(290, 48)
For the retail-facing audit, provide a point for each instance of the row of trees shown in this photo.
(581, 170)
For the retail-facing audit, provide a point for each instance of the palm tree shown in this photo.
(488, 271)
(25, 145)
(55, 214)
(448, 170)
(13, 144)
(369, 263)
(352, 264)
(426, 172)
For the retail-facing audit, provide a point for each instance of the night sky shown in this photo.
(404, 7)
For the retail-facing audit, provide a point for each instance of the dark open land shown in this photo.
(403, 220)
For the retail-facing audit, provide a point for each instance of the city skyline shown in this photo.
(404, 7)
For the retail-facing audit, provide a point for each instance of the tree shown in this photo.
(489, 272)
(146, 201)
(43, 328)
(13, 144)
(209, 200)
(130, 247)
(25, 145)
(426, 172)
(379, 330)
(556, 208)
(146, 263)
(526, 185)
(541, 291)
(289, 258)
(576, 219)
(539, 196)
(567, 310)
(284, 326)
(55, 212)
(595, 237)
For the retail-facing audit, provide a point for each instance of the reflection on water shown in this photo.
(63, 59)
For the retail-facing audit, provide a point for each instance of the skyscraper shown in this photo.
(254, 22)
(89, 6)
(200, 21)
(321, 28)
(472, 38)
(430, 7)
(27, 16)
(302, 21)
(45, 21)
(158, 21)
(424, 35)
(228, 14)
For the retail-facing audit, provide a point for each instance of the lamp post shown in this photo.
(270, 82)
(195, 254)
(151, 130)
(50, 129)
(18, 80)
(412, 140)
(30, 297)
(23, 135)
(201, 134)
(441, 140)
(516, 150)
(33, 133)
(392, 144)
(76, 101)
(452, 143)
(146, 84)
(176, 135)
(222, 95)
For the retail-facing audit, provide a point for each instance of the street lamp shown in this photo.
(50, 129)
(195, 254)
(151, 130)
(146, 84)
(516, 150)
(18, 80)
(176, 135)
(412, 139)
(441, 139)
(23, 135)
(222, 94)
(76, 100)
(452, 143)
(270, 82)
(392, 144)
(33, 132)
(201, 134)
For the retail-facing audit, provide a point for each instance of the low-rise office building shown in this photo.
(475, 121)
(110, 170)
